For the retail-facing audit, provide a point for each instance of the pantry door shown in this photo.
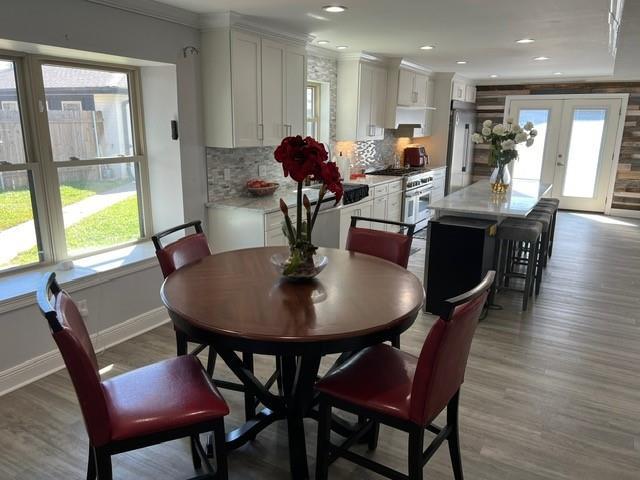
(575, 146)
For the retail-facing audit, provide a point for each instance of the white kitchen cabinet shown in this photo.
(470, 94)
(394, 210)
(254, 88)
(362, 90)
(360, 209)
(273, 85)
(246, 78)
(463, 90)
(295, 82)
(380, 205)
(439, 182)
(412, 88)
(458, 90)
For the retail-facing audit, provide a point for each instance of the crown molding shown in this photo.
(151, 8)
(322, 52)
(362, 56)
(254, 24)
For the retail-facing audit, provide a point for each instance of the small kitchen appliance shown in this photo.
(415, 156)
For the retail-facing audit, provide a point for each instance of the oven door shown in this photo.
(416, 207)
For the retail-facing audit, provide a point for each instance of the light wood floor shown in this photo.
(550, 394)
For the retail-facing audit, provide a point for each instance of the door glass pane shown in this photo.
(88, 111)
(11, 139)
(99, 206)
(529, 164)
(585, 145)
(19, 242)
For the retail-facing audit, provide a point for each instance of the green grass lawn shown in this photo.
(15, 206)
(114, 225)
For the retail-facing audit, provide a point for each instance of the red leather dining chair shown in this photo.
(395, 247)
(391, 246)
(182, 252)
(164, 401)
(384, 384)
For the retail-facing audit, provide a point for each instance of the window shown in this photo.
(10, 105)
(79, 186)
(313, 110)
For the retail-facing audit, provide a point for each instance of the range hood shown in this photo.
(410, 121)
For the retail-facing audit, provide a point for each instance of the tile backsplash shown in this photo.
(244, 163)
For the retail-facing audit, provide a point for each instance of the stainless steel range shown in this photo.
(416, 187)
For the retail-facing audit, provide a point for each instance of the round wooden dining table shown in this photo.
(237, 302)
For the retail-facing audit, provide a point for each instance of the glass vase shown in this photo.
(500, 179)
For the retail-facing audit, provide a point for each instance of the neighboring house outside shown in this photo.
(89, 117)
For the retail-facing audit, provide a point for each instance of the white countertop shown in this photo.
(287, 192)
(478, 199)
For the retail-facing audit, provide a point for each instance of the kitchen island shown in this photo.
(461, 241)
(477, 200)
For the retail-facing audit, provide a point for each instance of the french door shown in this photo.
(575, 146)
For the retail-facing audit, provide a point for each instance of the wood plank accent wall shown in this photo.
(490, 105)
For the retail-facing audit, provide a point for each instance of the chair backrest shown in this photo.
(395, 247)
(73, 340)
(443, 359)
(182, 252)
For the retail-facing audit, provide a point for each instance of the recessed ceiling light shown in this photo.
(427, 47)
(493, 75)
(557, 73)
(342, 47)
(525, 40)
(323, 42)
(334, 8)
(461, 62)
(541, 59)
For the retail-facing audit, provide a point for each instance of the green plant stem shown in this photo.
(309, 225)
(299, 212)
(318, 203)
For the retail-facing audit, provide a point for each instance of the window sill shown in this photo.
(17, 291)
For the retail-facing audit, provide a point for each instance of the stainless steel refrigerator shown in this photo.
(462, 124)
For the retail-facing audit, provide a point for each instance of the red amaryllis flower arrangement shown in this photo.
(302, 159)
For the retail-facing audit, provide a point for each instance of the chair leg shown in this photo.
(181, 343)
(552, 233)
(249, 399)
(91, 465)
(324, 436)
(529, 275)
(454, 436)
(416, 448)
(103, 464)
(395, 342)
(211, 361)
(372, 442)
(222, 472)
(195, 455)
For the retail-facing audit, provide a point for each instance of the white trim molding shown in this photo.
(151, 8)
(50, 362)
(622, 212)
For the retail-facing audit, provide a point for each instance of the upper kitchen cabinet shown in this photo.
(412, 88)
(362, 92)
(410, 98)
(254, 87)
(463, 90)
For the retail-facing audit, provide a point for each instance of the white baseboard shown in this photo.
(50, 362)
(621, 212)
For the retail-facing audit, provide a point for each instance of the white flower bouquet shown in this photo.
(503, 139)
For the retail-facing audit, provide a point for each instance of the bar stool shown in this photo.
(554, 203)
(546, 221)
(518, 240)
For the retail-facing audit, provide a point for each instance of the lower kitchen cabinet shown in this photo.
(380, 205)
(394, 210)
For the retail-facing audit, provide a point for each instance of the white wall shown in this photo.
(160, 105)
(78, 25)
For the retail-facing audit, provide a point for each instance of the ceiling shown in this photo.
(572, 33)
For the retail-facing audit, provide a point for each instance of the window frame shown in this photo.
(315, 120)
(33, 107)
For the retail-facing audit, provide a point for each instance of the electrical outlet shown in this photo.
(227, 174)
(262, 171)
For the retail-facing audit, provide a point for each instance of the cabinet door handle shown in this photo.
(260, 131)
(289, 129)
